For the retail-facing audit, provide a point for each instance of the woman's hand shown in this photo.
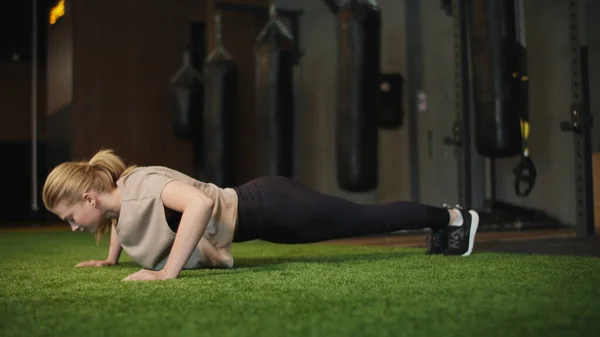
(96, 263)
(148, 275)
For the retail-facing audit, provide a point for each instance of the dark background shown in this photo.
(104, 70)
(103, 80)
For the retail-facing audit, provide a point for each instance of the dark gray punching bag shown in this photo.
(220, 117)
(274, 99)
(358, 94)
(187, 99)
(493, 49)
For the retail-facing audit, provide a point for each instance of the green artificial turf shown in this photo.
(303, 290)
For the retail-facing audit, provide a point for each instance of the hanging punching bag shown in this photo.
(187, 99)
(199, 53)
(493, 41)
(220, 85)
(274, 98)
(358, 86)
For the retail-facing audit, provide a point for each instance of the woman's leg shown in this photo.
(285, 211)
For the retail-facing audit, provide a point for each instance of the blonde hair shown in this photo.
(68, 181)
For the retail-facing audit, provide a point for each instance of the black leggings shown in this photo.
(280, 210)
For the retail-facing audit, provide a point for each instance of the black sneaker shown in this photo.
(437, 241)
(462, 239)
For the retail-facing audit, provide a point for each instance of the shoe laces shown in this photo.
(455, 236)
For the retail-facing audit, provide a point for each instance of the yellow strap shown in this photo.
(523, 78)
(524, 124)
(525, 129)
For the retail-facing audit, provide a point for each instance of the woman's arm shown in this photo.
(196, 208)
(218, 258)
(114, 251)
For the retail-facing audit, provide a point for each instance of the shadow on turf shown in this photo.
(252, 262)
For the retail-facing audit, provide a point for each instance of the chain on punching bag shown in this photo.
(220, 78)
(358, 85)
(274, 98)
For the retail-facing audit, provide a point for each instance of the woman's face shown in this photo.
(84, 216)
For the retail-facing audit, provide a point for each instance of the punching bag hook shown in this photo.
(220, 49)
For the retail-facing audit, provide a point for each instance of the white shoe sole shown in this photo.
(472, 232)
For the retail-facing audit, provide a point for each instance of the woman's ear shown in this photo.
(90, 199)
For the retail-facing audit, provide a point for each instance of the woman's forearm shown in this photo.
(191, 228)
(218, 258)
(114, 251)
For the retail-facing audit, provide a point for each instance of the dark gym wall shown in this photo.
(125, 53)
(60, 90)
(123, 56)
(15, 137)
(60, 63)
(315, 103)
(437, 163)
(15, 110)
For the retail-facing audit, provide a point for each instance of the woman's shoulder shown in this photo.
(147, 181)
(144, 172)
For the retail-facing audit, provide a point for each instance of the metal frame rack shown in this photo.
(580, 123)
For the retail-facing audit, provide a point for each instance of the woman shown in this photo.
(167, 221)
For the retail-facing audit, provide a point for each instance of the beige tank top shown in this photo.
(142, 226)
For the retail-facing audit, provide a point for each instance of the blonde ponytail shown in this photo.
(108, 168)
(69, 181)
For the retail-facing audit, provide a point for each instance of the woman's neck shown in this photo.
(111, 202)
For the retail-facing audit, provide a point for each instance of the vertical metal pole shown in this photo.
(476, 178)
(462, 134)
(34, 138)
(414, 85)
(580, 123)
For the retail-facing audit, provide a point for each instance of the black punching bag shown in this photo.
(493, 43)
(187, 99)
(274, 99)
(220, 85)
(358, 86)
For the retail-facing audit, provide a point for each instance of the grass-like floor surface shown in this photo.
(303, 290)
